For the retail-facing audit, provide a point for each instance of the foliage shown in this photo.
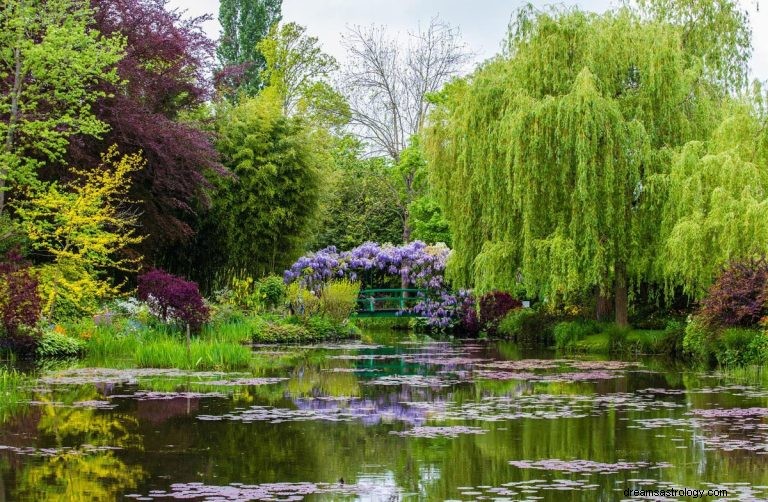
(568, 332)
(338, 299)
(526, 325)
(698, 339)
(173, 299)
(741, 347)
(492, 307)
(302, 301)
(53, 62)
(532, 204)
(163, 77)
(282, 332)
(58, 345)
(244, 23)
(20, 303)
(315, 328)
(261, 215)
(715, 207)
(271, 291)
(84, 228)
(242, 294)
(297, 71)
(468, 322)
(427, 221)
(358, 204)
(739, 296)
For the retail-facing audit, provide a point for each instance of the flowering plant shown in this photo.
(415, 265)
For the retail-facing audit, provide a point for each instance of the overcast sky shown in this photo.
(483, 23)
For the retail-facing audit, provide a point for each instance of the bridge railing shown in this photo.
(388, 300)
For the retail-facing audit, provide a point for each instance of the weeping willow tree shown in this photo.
(542, 158)
(715, 203)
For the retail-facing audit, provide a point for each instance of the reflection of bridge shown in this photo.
(389, 302)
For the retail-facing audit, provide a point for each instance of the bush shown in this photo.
(271, 291)
(58, 345)
(568, 332)
(302, 302)
(738, 296)
(741, 346)
(172, 298)
(493, 307)
(527, 325)
(468, 321)
(20, 304)
(282, 333)
(617, 337)
(697, 342)
(338, 299)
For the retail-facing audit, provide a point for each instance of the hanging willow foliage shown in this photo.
(542, 160)
(716, 204)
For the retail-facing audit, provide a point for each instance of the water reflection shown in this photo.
(386, 421)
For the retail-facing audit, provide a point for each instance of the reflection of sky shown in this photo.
(384, 408)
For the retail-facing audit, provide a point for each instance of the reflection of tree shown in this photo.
(84, 472)
(76, 475)
(83, 424)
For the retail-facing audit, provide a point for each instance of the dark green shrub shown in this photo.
(321, 328)
(528, 326)
(57, 345)
(282, 333)
(697, 341)
(566, 333)
(741, 346)
(271, 291)
(671, 342)
(617, 337)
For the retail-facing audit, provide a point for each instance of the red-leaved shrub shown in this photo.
(493, 307)
(738, 296)
(20, 304)
(172, 298)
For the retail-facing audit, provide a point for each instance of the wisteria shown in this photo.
(415, 264)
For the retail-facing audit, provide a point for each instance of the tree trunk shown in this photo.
(406, 227)
(622, 296)
(12, 121)
(603, 305)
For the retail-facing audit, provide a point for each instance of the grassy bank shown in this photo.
(222, 345)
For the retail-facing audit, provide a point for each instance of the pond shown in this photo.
(394, 418)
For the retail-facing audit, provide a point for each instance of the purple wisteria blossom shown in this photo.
(414, 264)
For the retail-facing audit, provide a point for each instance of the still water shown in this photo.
(392, 418)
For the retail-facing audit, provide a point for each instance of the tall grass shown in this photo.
(200, 355)
(238, 331)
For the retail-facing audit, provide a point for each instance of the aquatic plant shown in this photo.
(201, 354)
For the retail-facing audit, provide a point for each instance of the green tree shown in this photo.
(244, 23)
(357, 205)
(51, 61)
(297, 70)
(262, 215)
(715, 203)
(541, 160)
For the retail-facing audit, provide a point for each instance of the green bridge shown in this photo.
(388, 302)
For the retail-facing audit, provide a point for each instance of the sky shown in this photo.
(483, 23)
